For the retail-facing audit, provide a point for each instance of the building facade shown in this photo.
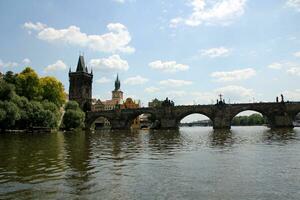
(116, 102)
(80, 89)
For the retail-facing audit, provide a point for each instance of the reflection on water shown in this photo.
(190, 163)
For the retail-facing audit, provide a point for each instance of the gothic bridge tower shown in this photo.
(80, 89)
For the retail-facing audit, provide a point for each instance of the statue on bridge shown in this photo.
(167, 103)
(220, 101)
(282, 98)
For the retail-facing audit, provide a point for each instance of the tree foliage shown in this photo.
(26, 100)
(52, 90)
(74, 117)
(28, 84)
(254, 119)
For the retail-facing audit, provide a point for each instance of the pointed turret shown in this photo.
(80, 88)
(81, 65)
(117, 83)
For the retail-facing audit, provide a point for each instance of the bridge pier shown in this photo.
(221, 123)
(119, 125)
(168, 124)
(221, 119)
(281, 121)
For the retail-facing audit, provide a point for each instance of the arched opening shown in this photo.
(195, 119)
(101, 123)
(249, 118)
(142, 121)
(297, 120)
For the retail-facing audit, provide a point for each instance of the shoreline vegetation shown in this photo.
(29, 103)
(251, 120)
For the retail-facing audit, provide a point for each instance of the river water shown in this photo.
(192, 163)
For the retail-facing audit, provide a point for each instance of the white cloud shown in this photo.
(152, 89)
(276, 65)
(294, 4)
(211, 12)
(112, 63)
(235, 93)
(294, 71)
(176, 93)
(168, 66)
(297, 54)
(136, 80)
(204, 97)
(175, 83)
(8, 64)
(236, 75)
(216, 52)
(119, 1)
(58, 65)
(293, 95)
(26, 61)
(36, 27)
(117, 40)
(103, 80)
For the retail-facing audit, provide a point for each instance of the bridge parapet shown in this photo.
(278, 114)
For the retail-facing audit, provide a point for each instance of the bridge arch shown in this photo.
(91, 119)
(196, 119)
(192, 112)
(240, 117)
(134, 120)
(296, 117)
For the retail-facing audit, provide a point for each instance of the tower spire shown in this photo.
(81, 65)
(117, 83)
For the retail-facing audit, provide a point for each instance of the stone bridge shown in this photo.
(279, 115)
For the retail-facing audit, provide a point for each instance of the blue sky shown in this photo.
(188, 50)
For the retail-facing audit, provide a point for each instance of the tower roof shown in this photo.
(117, 83)
(81, 65)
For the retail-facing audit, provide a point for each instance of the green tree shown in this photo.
(74, 117)
(52, 90)
(7, 91)
(10, 113)
(10, 77)
(72, 105)
(28, 84)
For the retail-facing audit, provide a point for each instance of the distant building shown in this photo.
(116, 99)
(155, 103)
(80, 89)
(115, 102)
(130, 104)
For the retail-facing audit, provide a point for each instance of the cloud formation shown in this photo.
(235, 93)
(136, 80)
(168, 66)
(216, 52)
(275, 65)
(294, 71)
(292, 95)
(211, 12)
(175, 83)
(110, 64)
(152, 89)
(236, 75)
(26, 61)
(103, 80)
(294, 4)
(57, 66)
(116, 40)
(8, 64)
(297, 54)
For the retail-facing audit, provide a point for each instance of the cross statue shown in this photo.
(220, 95)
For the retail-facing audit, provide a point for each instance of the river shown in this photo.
(192, 163)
